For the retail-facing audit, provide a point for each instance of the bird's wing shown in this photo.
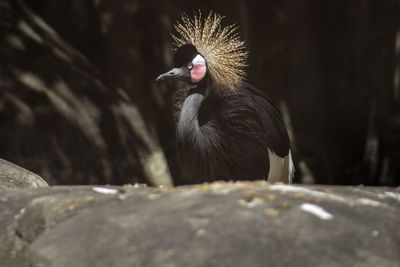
(275, 130)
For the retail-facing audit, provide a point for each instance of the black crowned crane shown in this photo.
(225, 128)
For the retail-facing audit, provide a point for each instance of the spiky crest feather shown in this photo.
(222, 48)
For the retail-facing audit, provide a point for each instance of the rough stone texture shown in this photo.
(14, 177)
(219, 224)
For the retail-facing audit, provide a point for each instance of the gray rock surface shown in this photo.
(14, 177)
(219, 224)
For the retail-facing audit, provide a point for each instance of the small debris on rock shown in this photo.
(306, 191)
(270, 196)
(271, 212)
(370, 202)
(317, 211)
(375, 233)
(201, 232)
(122, 197)
(250, 196)
(250, 200)
(104, 190)
(285, 205)
(393, 195)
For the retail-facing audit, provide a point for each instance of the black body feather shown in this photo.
(225, 135)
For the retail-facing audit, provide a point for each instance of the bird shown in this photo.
(226, 129)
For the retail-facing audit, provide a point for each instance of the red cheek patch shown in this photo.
(198, 72)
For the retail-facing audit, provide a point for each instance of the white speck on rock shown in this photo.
(220, 188)
(297, 189)
(317, 211)
(201, 232)
(375, 233)
(370, 202)
(392, 195)
(104, 190)
(154, 196)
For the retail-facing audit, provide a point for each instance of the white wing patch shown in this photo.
(280, 169)
(292, 169)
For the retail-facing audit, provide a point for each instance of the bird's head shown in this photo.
(206, 49)
(189, 66)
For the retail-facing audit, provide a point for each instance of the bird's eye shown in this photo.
(190, 66)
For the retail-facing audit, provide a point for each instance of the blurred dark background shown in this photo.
(79, 103)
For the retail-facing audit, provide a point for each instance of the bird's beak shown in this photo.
(175, 73)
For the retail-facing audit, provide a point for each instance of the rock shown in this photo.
(218, 224)
(14, 177)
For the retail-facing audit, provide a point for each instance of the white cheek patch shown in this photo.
(199, 60)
